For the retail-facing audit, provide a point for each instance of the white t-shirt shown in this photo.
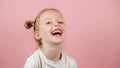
(39, 60)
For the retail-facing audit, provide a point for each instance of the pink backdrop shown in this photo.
(93, 31)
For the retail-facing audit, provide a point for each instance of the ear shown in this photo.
(37, 35)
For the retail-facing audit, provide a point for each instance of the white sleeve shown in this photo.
(30, 63)
(73, 64)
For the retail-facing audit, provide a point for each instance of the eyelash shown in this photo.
(58, 22)
(48, 22)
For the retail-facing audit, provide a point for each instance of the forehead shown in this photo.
(51, 14)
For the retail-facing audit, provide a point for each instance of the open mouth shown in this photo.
(57, 32)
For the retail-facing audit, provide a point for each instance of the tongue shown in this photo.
(56, 33)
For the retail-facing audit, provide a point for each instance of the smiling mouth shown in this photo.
(57, 32)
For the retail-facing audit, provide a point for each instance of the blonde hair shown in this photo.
(29, 24)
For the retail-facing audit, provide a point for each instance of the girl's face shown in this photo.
(52, 27)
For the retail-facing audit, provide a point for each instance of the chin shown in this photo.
(57, 40)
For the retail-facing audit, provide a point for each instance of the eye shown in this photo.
(48, 22)
(60, 22)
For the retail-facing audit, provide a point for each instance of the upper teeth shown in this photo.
(56, 31)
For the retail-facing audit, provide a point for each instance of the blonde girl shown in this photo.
(49, 32)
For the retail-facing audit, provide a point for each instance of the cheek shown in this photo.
(45, 30)
(64, 28)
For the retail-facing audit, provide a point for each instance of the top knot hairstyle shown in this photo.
(28, 24)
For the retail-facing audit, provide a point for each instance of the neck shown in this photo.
(52, 51)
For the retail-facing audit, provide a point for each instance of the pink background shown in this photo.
(93, 31)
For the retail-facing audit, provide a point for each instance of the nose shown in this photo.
(57, 24)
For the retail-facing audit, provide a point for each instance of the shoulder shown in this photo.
(71, 62)
(32, 61)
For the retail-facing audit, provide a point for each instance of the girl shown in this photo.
(49, 32)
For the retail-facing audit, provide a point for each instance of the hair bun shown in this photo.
(28, 24)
